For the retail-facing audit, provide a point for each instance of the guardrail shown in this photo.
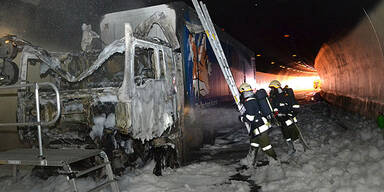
(37, 97)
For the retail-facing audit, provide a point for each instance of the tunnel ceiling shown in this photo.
(283, 32)
(282, 29)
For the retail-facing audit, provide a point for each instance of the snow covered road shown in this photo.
(347, 155)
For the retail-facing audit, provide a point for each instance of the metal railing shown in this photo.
(37, 97)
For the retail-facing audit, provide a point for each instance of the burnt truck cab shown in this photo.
(126, 99)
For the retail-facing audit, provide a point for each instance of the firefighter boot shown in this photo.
(249, 160)
(260, 160)
(254, 161)
(299, 146)
(291, 148)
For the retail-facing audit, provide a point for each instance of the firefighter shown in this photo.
(285, 109)
(255, 116)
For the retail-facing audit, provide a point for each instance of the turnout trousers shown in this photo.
(260, 139)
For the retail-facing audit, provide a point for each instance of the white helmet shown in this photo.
(245, 87)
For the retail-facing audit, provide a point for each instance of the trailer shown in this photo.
(134, 97)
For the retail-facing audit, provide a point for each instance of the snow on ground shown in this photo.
(347, 155)
(201, 176)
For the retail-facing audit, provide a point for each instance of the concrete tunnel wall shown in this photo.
(352, 68)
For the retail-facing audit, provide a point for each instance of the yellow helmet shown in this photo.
(275, 84)
(245, 87)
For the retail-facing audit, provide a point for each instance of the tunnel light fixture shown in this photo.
(258, 55)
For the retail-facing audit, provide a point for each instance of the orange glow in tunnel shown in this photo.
(297, 83)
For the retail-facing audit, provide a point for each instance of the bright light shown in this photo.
(286, 35)
(301, 83)
(258, 55)
(294, 55)
(297, 83)
(252, 82)
(272, 62)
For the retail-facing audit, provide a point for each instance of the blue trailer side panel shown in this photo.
(204, 80)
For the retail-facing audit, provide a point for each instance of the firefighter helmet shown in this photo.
(275, 84)
(245, 87)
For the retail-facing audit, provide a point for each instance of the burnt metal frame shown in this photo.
(38, 123)
(25, 156)
(62, 158)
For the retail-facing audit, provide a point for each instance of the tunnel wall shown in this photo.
(352, 69)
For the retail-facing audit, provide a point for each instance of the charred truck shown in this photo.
(132, 96)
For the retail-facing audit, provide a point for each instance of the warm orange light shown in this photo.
(301, 83)
(272, 62)
(297, 83)
(317, 84)
(7, 41)
(258, 55)
(286, 35)
(294, 55)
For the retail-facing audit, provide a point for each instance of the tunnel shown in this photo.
(154, 98)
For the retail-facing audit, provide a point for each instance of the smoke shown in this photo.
(56, 24)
